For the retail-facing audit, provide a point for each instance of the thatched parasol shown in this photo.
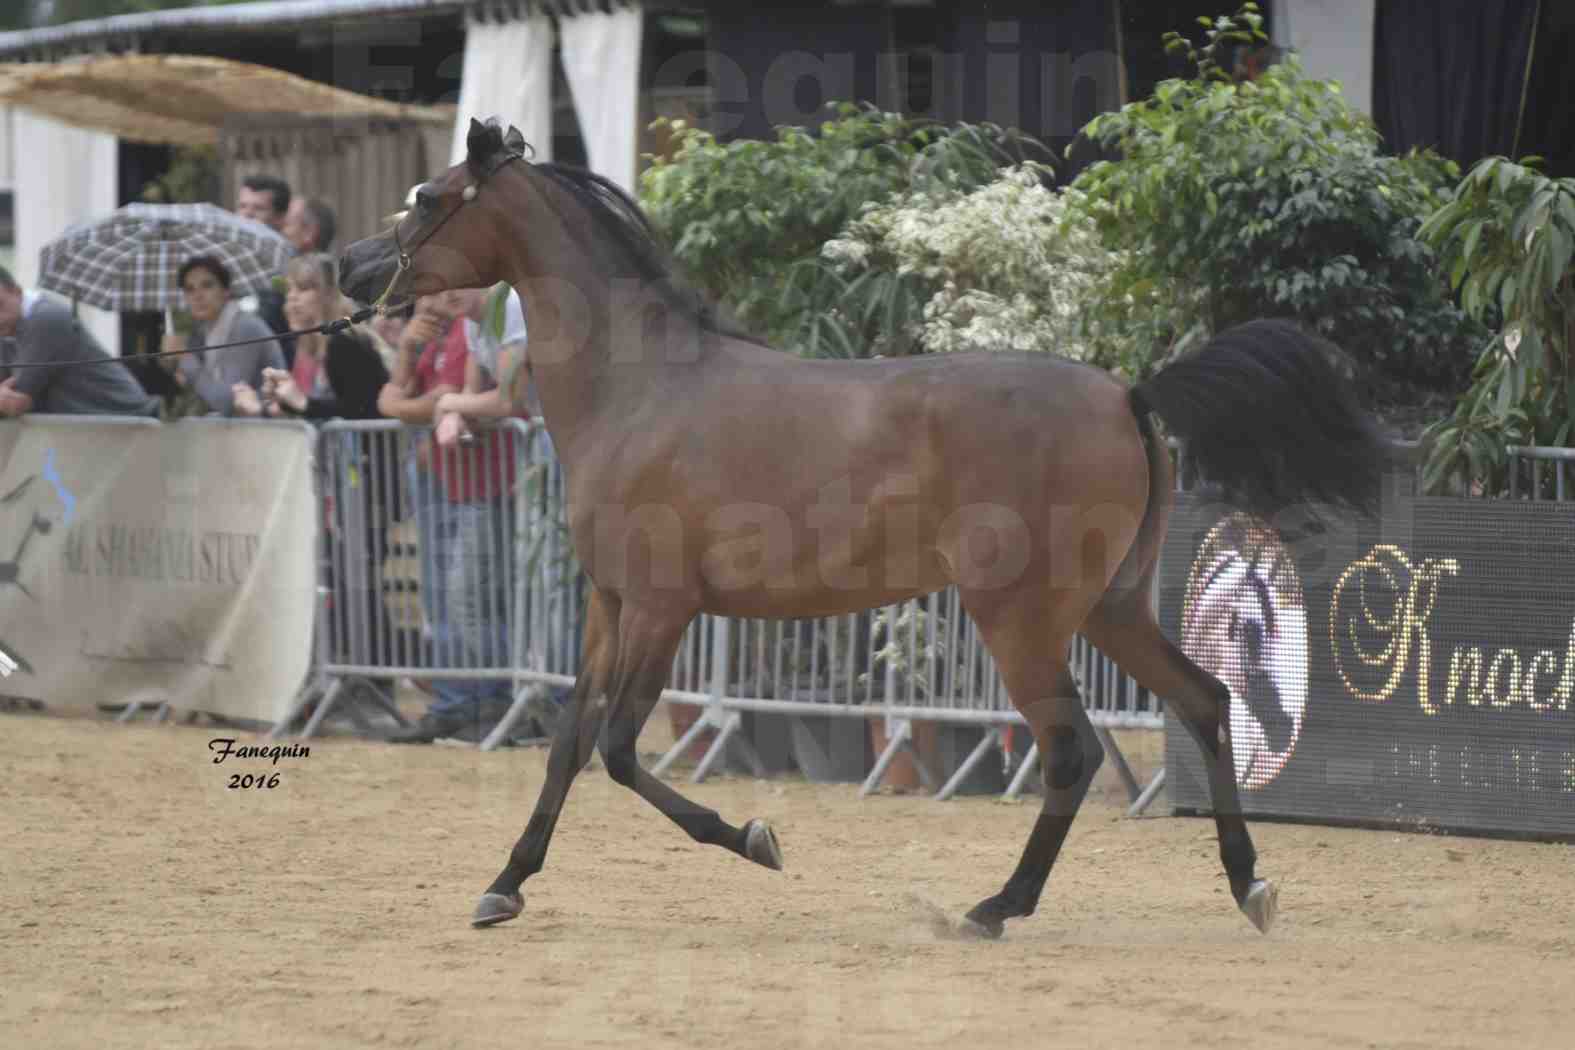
(182, 99)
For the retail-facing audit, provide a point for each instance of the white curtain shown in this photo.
(69, 176)
(1334, 39)
(508, 75)
(601, 59)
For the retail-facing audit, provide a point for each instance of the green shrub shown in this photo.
(195, 174)
(1507, 236)
(746, 220)
(1234, 199)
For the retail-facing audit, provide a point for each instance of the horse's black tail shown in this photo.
(1265, 415)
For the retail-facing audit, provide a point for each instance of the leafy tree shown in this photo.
(1507, 236)
(1234, 197)
(746, 220)
(194, 174)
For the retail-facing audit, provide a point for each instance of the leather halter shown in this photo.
(468, 194)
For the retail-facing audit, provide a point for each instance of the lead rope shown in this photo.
(326, 328)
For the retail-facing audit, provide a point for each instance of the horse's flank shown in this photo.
(840, 486)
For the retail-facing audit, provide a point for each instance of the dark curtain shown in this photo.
(141, 331)
(1144, 24)
(778, 63)
(1548, 128)
(1450, 74)
(1041, 68)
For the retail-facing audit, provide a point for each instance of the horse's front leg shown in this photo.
(571, 749)
(647, 643)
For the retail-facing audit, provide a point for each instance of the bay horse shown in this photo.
(707, 472)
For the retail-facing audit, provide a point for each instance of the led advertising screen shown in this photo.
(1417, 671)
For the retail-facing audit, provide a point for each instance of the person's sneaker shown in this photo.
(431, 727)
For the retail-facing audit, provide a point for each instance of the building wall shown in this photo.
(70, 175)
(1334, 39)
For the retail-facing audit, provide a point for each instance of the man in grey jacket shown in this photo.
(36, 330)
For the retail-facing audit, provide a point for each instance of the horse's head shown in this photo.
(449, 235)
(1244, 622)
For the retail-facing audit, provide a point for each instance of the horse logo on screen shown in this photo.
(1244, 621)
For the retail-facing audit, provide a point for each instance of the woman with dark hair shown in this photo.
(209, 381)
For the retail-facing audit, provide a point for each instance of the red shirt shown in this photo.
(436, 363)
(304, 372)
(475, 472)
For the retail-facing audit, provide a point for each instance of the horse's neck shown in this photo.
(570, 362)
(591, 358)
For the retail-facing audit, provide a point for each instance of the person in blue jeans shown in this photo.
(458, 537)
(497, 385)
(464, 548)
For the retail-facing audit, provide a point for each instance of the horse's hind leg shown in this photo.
(572, 744)
(647, 645)
(1123, 628)
(1072, 757)
(1034, 670)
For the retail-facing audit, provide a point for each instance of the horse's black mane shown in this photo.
(630, 232)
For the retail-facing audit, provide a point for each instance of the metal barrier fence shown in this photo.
(919, 661)
(425, 571)
(1536, 473)
(1560, 461)
(478, 534)
(456, 567)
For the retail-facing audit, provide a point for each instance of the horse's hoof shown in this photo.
(760, 845)
(494, 908)
(984, 930)
(1261, 903)
(984, 922)
(981, 931)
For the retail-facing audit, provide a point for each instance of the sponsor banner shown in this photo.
(1420, 671)
(157, 563)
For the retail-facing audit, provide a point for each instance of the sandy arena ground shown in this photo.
(146, 904)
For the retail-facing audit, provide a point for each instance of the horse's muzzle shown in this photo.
(366, 267)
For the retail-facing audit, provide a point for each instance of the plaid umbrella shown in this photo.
(129, 260)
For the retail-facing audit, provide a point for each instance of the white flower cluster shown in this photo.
(1010, 263)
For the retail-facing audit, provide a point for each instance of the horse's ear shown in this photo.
(514, 140)
(482, 141)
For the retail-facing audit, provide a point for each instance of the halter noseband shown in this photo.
(468, 194)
